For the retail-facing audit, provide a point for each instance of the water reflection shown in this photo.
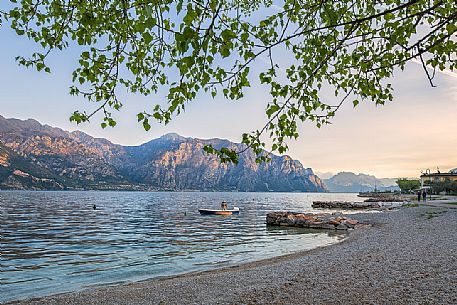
(55, 241)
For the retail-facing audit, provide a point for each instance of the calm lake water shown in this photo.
(54, 242)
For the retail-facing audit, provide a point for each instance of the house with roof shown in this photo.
(428, 178)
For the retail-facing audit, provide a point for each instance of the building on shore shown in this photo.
(427, 178)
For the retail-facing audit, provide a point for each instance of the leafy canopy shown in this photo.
(189, 46)
(438, 186)
(407, 185)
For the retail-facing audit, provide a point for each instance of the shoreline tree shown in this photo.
(408, 185)
(185, 47)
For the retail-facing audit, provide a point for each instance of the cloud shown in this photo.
(445, 71)
(277, 8)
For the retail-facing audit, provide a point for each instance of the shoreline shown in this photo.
(344, 272)
(249, 264)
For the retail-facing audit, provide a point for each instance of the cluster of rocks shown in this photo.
(347, 205)
(335, 221)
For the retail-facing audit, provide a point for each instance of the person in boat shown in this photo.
(224, 205)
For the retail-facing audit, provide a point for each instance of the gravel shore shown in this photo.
(408, 256)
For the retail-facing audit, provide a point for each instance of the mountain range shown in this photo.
(348, 182)
(41, 157)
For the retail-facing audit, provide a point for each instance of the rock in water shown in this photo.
(315, 221)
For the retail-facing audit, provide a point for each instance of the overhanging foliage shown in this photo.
(189, 46)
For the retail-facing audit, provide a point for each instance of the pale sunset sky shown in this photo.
(418, 130)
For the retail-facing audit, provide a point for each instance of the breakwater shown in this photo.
(349, 205)
(345, 205)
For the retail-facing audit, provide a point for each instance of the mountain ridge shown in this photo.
(76, 160)
(349, 182)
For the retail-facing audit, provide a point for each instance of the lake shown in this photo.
(53, 242)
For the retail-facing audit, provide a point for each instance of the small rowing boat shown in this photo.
(235, 210)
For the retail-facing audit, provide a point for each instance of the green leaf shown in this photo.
(228, 34)
(146, 125)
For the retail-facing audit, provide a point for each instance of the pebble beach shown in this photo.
(405, 256)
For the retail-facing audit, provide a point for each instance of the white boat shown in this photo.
(235, 210)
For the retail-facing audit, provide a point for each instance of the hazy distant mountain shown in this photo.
(389, 182)
(325, 175)
(350, 182)
(35, 156)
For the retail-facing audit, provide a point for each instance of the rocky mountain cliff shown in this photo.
(348, 182)
(35, 156)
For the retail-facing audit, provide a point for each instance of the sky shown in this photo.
(417, 131)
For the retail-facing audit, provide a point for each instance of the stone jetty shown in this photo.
(385, 199)
(335, 221)
(346, 205)
(378, 194)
